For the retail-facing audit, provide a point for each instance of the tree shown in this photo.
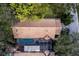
(75, 41)
(62, 11)
(63, 46)
(77, 7)
(6, 20)
(30, 11)
(67, 45)
(37, 11)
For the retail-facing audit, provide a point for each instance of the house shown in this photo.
(36, 37)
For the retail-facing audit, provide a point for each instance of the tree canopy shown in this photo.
(6, 20)
(67, 45)
(32, 12)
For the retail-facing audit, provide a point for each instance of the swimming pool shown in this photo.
(44, 45)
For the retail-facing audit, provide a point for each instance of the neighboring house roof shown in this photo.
(37, 29)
